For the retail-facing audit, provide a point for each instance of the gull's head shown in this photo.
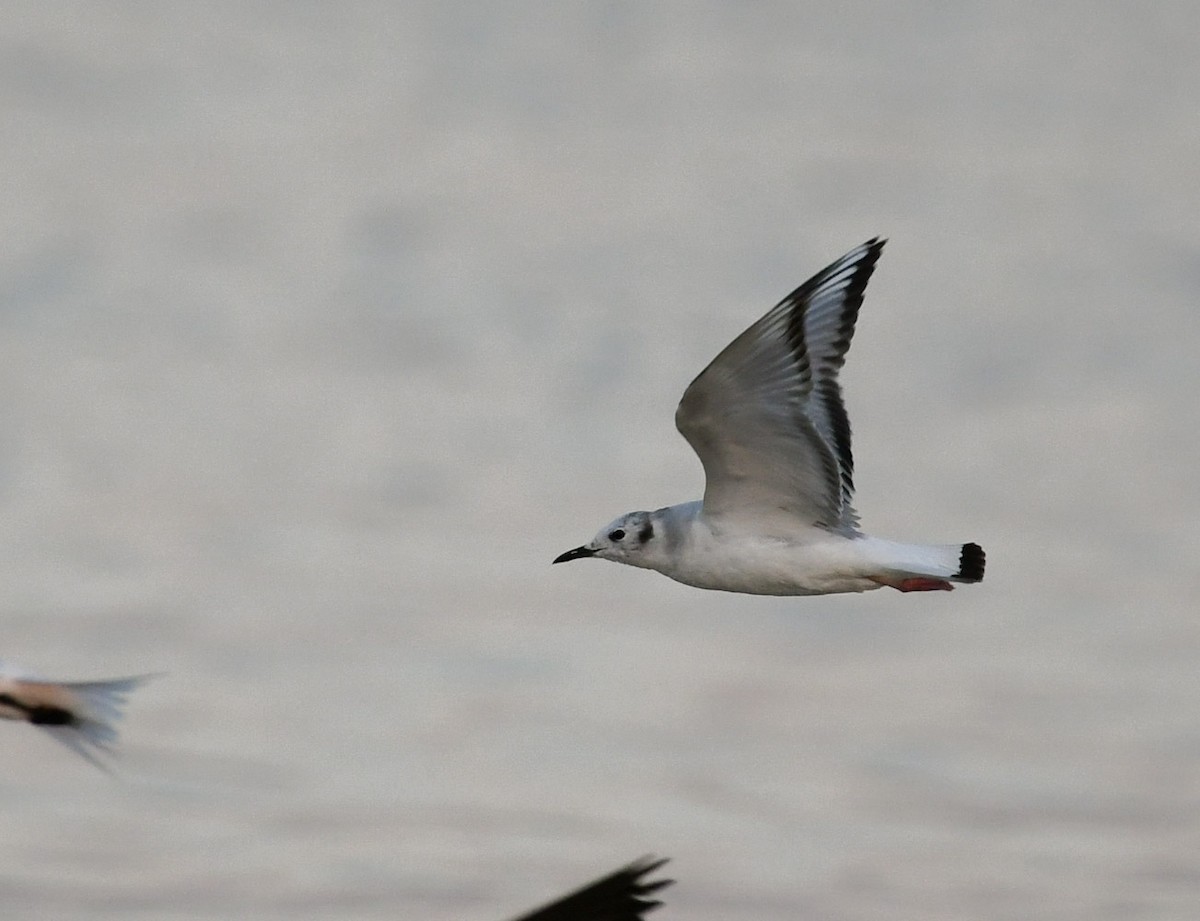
(625, 540)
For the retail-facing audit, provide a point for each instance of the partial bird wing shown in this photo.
(766, 416)
(620, 896)
(82, 715)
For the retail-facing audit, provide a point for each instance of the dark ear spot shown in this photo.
(646, 532)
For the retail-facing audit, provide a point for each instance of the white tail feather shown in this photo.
(955, 562)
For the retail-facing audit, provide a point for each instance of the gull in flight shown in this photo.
(82, 715)
(767, 421)
(621, 896)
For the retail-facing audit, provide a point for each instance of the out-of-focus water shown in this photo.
(324, 328)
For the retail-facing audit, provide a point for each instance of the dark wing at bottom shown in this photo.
(620, 896)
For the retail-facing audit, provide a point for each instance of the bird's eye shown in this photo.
(618, 534)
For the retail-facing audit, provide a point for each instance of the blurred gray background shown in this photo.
(324, 327)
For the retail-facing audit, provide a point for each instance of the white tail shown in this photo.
(956, 562)
(927, 567)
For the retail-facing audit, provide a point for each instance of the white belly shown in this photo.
(775, 567)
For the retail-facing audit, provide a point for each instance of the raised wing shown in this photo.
(621, 896)
(766, 416)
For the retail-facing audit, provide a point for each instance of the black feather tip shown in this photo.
(625, 895)
(971, 563)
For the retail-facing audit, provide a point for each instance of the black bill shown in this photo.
(579, 553)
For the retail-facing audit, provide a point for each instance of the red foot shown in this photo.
(922, 584)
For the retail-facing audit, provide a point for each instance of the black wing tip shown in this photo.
(865, 256)
(876, 244)
(619, 896)
(643, 867)
(638, 887)
(865, 264)
(862, 258)
(971, 563)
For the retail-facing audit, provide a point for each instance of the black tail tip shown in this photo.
(971, 563)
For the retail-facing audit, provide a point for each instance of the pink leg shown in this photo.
(918, 584)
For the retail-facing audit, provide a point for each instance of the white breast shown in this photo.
(740, 562)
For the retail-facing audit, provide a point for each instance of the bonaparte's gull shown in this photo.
(82, 715)
(767, 420)
(621, 896)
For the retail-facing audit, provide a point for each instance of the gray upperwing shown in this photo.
(766, 416)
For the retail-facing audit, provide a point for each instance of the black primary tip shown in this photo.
(625, 895)
(971, 563)
(579, 553)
